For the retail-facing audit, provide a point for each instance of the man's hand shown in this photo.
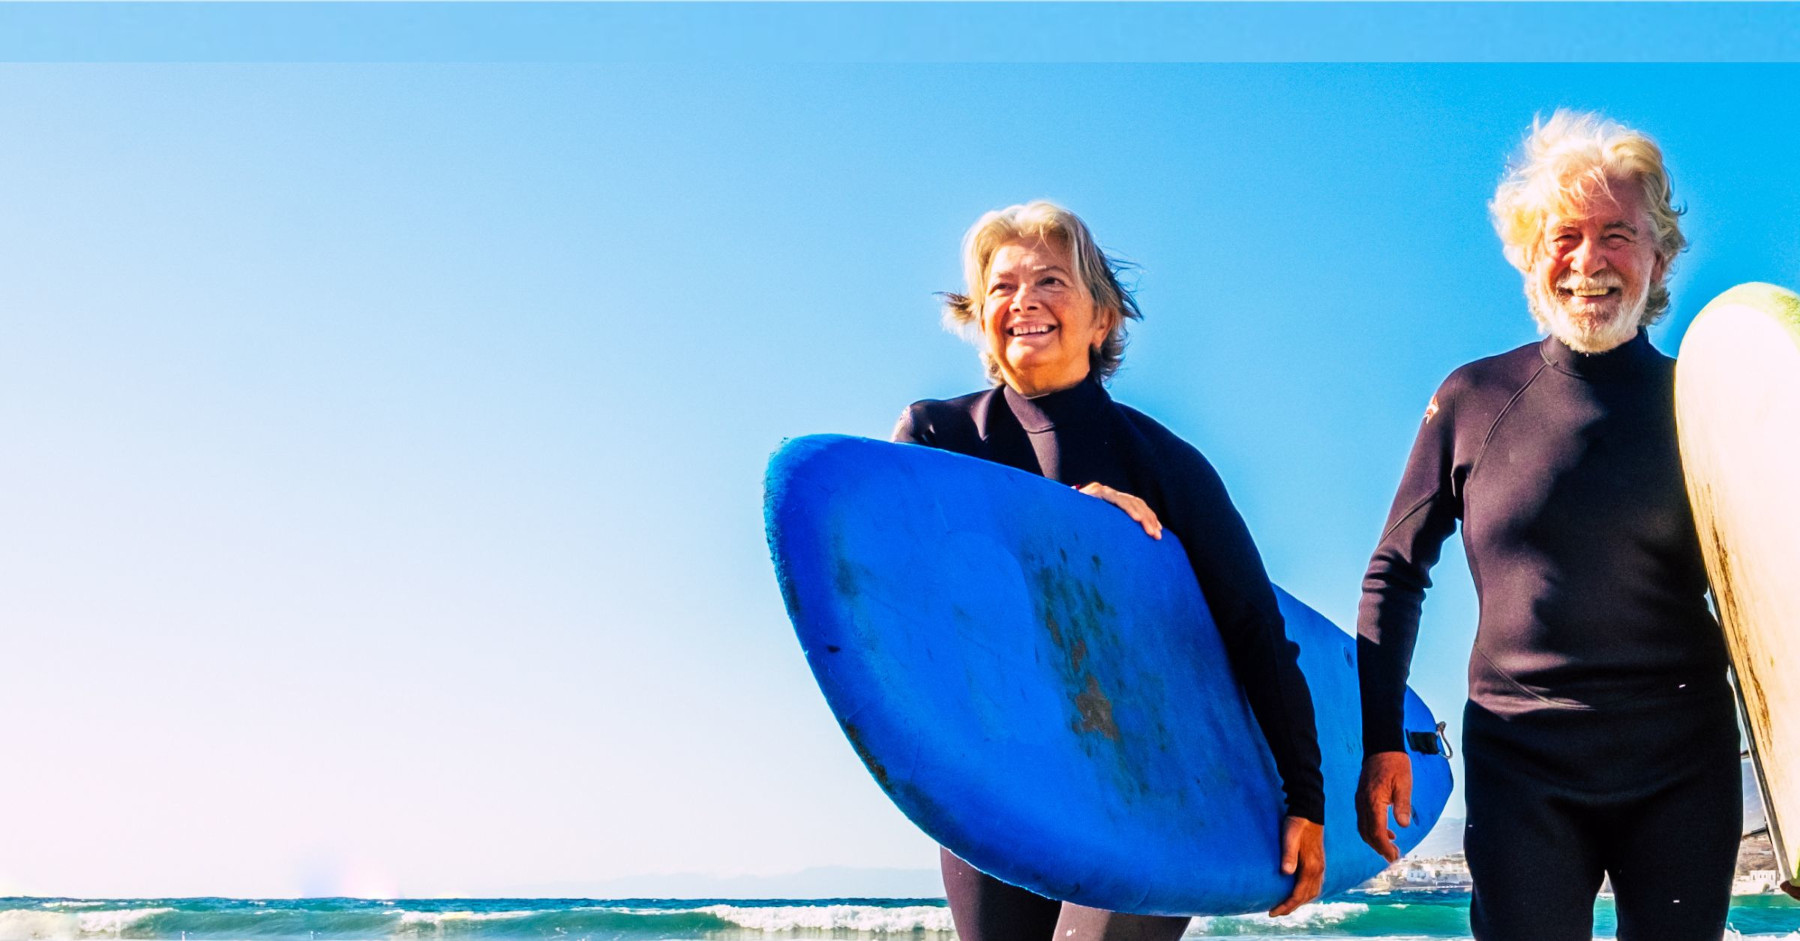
(1303, 857)
(1791, 889)
(1133, 507)
(1386, 781)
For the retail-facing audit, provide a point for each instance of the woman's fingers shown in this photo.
(1133, 507)
(1303, 857)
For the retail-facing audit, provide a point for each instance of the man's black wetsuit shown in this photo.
(1600, 735)
(1079, 436)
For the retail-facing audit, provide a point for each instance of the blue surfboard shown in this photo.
(1039, 687)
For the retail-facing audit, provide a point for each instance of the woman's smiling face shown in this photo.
(1038, 319)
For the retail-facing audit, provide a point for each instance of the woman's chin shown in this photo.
(1048, 375)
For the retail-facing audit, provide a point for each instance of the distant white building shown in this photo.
(1430, 873)
(1762, 882)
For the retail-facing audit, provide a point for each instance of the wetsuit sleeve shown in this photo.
(1424, 514)
(1237, 590)
(914, 426)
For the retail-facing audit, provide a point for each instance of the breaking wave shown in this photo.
(1401, 917)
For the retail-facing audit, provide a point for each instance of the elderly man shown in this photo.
(1600, 736)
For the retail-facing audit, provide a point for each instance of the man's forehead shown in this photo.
(1605, 219)
(1619, 203)
(1599, 210)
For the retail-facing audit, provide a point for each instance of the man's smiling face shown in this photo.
(1596, 268)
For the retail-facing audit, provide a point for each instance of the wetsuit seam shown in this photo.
(1521, 687)
(1474, 567)
(1643, 692)
(1505, 410)
(1570, 373)
(1424, 502)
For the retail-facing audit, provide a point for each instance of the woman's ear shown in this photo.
(1109, 320)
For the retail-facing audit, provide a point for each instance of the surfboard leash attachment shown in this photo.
(1431, 743)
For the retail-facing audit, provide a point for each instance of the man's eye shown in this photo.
(1616, 240)
(999, 287)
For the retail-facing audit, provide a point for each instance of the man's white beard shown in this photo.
(1582, 332)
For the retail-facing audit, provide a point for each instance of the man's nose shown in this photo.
(1025, 298)
(1587, 257)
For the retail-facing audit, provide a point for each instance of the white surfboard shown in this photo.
(1737, 408)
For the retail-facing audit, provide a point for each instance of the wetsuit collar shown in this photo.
(1040, 413)
(1622, 361)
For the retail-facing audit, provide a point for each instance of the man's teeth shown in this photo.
(1584, 289)
(1030, 330)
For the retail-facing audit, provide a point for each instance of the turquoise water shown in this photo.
(1394, 917)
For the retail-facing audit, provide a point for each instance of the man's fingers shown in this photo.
(1388, 850)
(1371, 821)
(1290, 856)
(1374, 831)
(1386, 784)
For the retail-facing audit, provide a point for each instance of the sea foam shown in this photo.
(869, 918)
(1306, 918)
(43, 925)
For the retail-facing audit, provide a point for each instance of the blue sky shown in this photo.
(382, 498)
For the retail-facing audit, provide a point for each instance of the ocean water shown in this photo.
(1395, 917)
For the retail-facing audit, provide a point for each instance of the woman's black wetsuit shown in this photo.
(1079, 436)
(1600, 735)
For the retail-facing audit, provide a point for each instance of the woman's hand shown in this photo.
(1133, 507)
(1303, 857)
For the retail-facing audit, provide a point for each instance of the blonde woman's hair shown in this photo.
(1043, 221)
(1567, 161)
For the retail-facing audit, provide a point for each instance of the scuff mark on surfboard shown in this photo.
(869, 760)
(1080, 624)
(1096, 710)
(1724, 593)
(843, 575)
(899, 787)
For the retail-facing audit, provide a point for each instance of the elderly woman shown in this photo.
(1045, 306)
